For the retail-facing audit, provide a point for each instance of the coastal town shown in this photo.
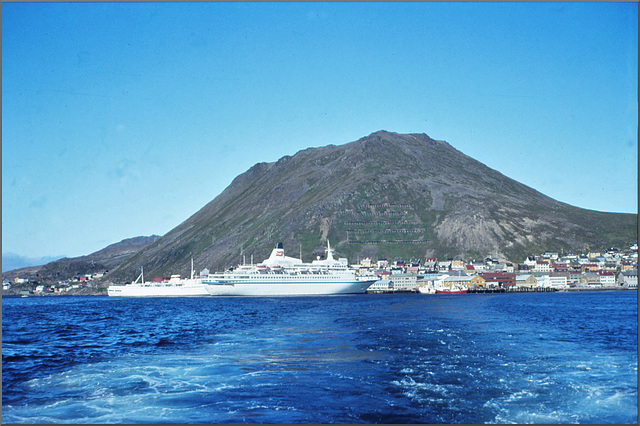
(611, 269)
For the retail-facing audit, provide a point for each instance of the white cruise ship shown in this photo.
(280, 275)
(175, 286)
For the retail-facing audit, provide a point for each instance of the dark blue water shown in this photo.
(403, 358)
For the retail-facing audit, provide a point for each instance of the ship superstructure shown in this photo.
(281, 275)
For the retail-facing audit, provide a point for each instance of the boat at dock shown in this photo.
(426, 290)
(280, 275)
(449, 286)
(451, 291)
(174, 286)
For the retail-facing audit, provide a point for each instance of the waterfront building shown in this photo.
(380, 286)
(628, 279)
(607, 279)
(475, 281)
(558, 281)
(526, 281)
(574, 277)
(590, 279)
(403, 282)
(498, 279)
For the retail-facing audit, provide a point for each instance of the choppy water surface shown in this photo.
(404, 358)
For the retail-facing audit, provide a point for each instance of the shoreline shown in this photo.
(475, 291)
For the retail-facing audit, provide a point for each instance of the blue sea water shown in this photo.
(399, 358)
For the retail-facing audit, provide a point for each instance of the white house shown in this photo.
(382, 263)
(366, 262)
(478, 265)
(607, 279)
(571, 255)
(542, 266)
(628, 278)
(444, 266)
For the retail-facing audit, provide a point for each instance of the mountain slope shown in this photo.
(384, 195)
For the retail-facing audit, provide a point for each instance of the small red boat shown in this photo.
(451, 291)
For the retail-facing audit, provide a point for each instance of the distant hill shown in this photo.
(12, 261)
(100, 261)
(384, 195)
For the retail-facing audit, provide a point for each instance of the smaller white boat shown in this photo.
(450, 288)
(175, 286)
(425, 289)
(428, 284)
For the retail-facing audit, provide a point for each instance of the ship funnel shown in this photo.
(277, 252)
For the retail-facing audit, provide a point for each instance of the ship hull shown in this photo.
(265, 288)
(133, 290)
(450, 291)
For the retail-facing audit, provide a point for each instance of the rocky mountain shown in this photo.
(385, 195)
(99, 261)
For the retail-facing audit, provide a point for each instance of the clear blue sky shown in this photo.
(123, 119)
